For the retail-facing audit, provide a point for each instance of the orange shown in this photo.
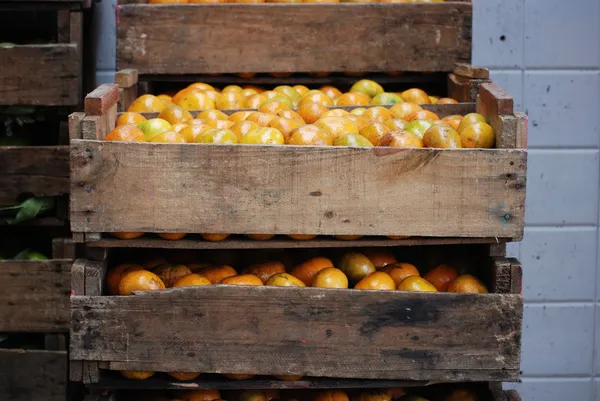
(284, 280)
(113, 278)
(147, 104)
(242, 279)
(288, 91)
(309, 134)
(213, 95)
(239, 116)
(166, 99)
(175, 115)
(258, 89)
(330, 277)
(399, 271)
(353, 99)
(332, 395)
(396, 392)
(253, 395)
(374, 132)
(154, 126)
(441, 276)
(478, 135)
(462, 395)
(374, 396)
(453, 120)
(195, 100)
(263, 136)
(247, 92)
(359, 111)
(141, 280)
(356, 266)
(291, 114)
(441, 136)
(402, 110)
(222, 124)
(368, 87)
(208, 115)
(184, 376)
(151, 264)
(307, 270)
(337, 126)
(335, 113)
(433, 99)
(415, 95)
(285, 126)
(168, 137)
(254, 101)
(311, 112)
(386, 98)
(169, 274)
(378, 113)
(316, 97)
(262, 119)
(172, 236)
(201, 86)
(395, 124)
(214, 237)
(231, 101)
(380, 257)
(126, 235)
(184, 92)
(260, 237)
(179, 127)
(203, 395)
(302, 237)
(126, 133)
(214, 274)
(467, 284)
(273, 107)
(130, 118)
(238, 376)
(301, 89)
(331, 91)
(353, 140)
(243, 127)
(401, 139)
(191, 280)
(469, 119)
(264, 271)
(347, 237)
(416, 284)
(231, 88)
(360, 121)
(191, 132)
(422, 115)
(136, 374)
(218, 136)
(447, 100)
(376, 281)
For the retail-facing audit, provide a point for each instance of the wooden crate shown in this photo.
(476, 193)
(34, 295)
(45, 74)
(175, 39)
(350, 334)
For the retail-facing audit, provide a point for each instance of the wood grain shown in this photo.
(308, 331)
(29, 375)
(470, 71)
(126, 78)
(101, 99)
(296, 190)
(40, 75)
(34, 295)
(175, 39)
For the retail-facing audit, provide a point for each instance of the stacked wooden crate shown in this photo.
(445, 200)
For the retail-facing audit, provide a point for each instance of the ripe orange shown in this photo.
(441, 136)
(218, 136)
(330, 277)
(400, 271)
(172, 236)
(214, 274)
(337, 126)
(191, 132)
(208, 115)
(335, 113)
(169, 274)
(378, 113)
(127, 235)
(453, 120)
(203, 395)
(368, 87)
(141, 280)
(231, 101)
(302, 237)
(395, 124)
(239, 116)
(253, 395)
(353, 140)
(376, 281)
(261, 237)
(360, 121)
(195, 100)
(147, 104)
(263, 136)
(353, 99)
(416, 284)
(175, 115)
(316, 97)
(130, 118)
(356, 266)
(447, 100)
(401, 139)
(415, 95)
(184, 376)
(214, 237)
(179, 127)
(374, 132)
(422, 115)
(469, 119)
(332, 395)
(191, 280)
(136, 374)
(387, 98)
(311, 112)
(243, 127)
(273, 107)
(231, 88)
(285, 126)
(374, 396)
(264, 271)
(467, 284)
(331, 91)
(166, 99)
(168, 137)
(289, 92)
(254, 101)
(301, 89)
(307, 270)
(262, 119)
(402, 110)
(291, 114)
(242, 279)
(126, 133)
(478, 135)
(284, 280)
(201, 86)
(347, 237)
(113, 278)
(380, 257)
(441, 276)
(309, 134)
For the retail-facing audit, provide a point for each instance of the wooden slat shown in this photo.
(39, 170)
(63, 248)
(308, 331)
(470, 71)
(497, 107)
(175, 39)
(126, 78)
(29, 375)
(298, 190)
(34, 295)
(464, 89)
(99, 101)
(40, 75)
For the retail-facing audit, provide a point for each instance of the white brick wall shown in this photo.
(546, 54)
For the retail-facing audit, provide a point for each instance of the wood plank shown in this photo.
(464, 89)
(29, 375)
(34, 295)
(470, 71)
(497, 107)
(407, 37)
(99, 101)
(126, 78)
(434, 193)
(77, 288)
(63, 248)
(522, 127)
(75, 128)
(307, 331)
(40, 75)
(494, 100)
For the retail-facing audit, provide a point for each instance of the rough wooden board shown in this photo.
(94, 127)
(63, 248)
(126, 78)
(513, 395)
(497, 107)
(34, 295)
(175, 39)
(470, 71)
(75, 128)
(308, 331)
(464, 89)
(77, 288)
(31, 375)
(127, 96)
(285, 189)
(101, 99)
(40, 75)
(493, 99)
(522, 126)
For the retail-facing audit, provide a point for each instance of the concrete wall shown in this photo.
(546, 54)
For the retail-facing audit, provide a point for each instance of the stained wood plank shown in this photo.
(101, 99)
(174, 39)
(40, 75)
(29, 375)
(126, 78)
(308, 331)
(470, 71)
(34, 295)
(287, 189)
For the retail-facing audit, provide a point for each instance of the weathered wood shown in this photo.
(126, 78)
(34, 295)
(497, 107)
(63, 248)
(39, 170)
(501, 277)
(94, 127)
(470, 71)
(464, 89)
(75, 128)
(29, 375)
(308, 331)
(522, 126)
(40, 75)
(513, 395)
(94, 277)
(104, 97)
(494, 100)
(296, 190)
(76, 38)
(408, 37)
(55, 342)
(516, 276)
(77, 288)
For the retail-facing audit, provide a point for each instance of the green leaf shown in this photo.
(31, 208)
(22, 255)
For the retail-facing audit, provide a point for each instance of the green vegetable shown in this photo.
(29, 255)
(29, 209)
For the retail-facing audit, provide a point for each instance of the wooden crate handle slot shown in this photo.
(507, 276)
(497, 107)
(100, 111)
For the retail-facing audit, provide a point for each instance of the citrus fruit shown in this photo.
(352, 140)
(179, 127)
(147, 104)
(332, 395)
(307, 270)
(126, 133)
(416, 283)
(467, 284)
(422, 115)
(285, 126)
(231, 88)
(130, 118)
(191, 132)
(380, 257)
(184, 376)
(376, 281)
(316, 97)
(191, 280)
(335, 113)
(214, 237)
(254, 101)
(291, 114)
(330, 277)
(273, 106)
(399, 271)
(311, 112)
(261, 237)
(169, 274)
(309, 134)
(253, 395)
(289, 92)
(168, 137)
(238, 376)
(378, 113)
(141, 280)
(114, 276)
(214, 274)
(302, 237)
(243, 127)
(401, 139)
(301, 89)
(368, 87)
(415, 95)
(239, 116)
(331, 91)
(359, 111)
(247, 92)
(441, 276)
(441, 136)
(360, 121)
(195, 100)
(356, 266)
(217, 136)
(223, 124)
(402, 110)
(337, 126)
(264, 271)
(153, 127)
(262, 119)
(284, 280)
(353, 99)
(263, 136)
(231, 101)
(469, 119)
(207, 115)
(201, 86)
(175, 114)
(373, 396)
(447, 100)
(462, 395)
(127, 235)
(386, 98)
(203, 395)
(395, 124)
(136, 374)
(418, 127)
(478, 135)
(374, 132)
(242, 279)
